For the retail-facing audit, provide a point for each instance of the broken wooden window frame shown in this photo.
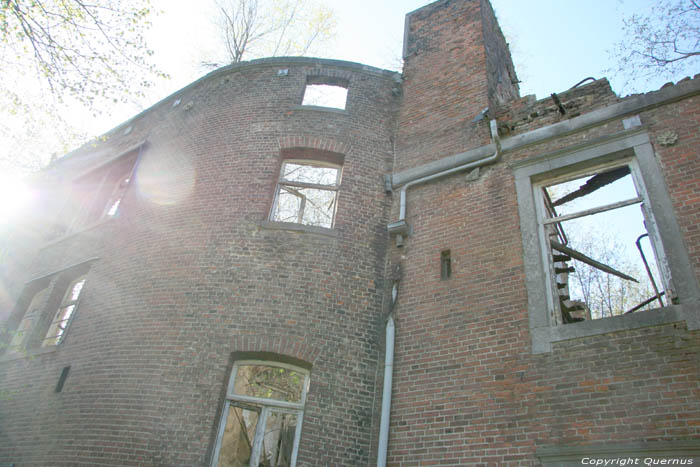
(546, 221)
(630, 144)
(264, 406)
(292, 187)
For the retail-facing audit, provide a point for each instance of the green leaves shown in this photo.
(56, 53)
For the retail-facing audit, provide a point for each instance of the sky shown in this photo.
(554, 43)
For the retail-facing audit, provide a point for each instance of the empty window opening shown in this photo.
(262, 415)
(62, 318)
(445, 265)
(307, 193)
(29, 320)
(98, 195)
(62, 379)
(595, 225)
(112, 206)
(330, 93)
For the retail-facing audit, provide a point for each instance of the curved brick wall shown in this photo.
(190, 273)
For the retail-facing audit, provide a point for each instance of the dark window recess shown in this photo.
(445, 265)
(62, 379)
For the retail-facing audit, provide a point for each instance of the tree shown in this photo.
(55, 53)
(604, 294)
(663, 43)
(257, 28)
(87, 50)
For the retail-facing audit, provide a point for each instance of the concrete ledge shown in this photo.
(312, 229)
(319, 108)
(640, 319)
(543, 337)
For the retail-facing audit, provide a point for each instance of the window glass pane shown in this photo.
(239, 434)
(288, 205)
(112, 211)
(278, 442)
(65, 313)
(269, 382)
(53, 336)
(315, 206)
(590, 192)
(76, 289)
(319, 207)
(309, 174)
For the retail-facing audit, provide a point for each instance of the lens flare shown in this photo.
(15, 194)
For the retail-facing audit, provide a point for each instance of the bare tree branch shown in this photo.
(663, 43)
(256, 28)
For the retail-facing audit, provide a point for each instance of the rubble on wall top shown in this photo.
(527, 113)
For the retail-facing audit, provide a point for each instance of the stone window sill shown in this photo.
(318, 108)
(294, 227)
(545, 336)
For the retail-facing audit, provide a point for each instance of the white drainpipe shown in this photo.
(400, 227)
(386, 397)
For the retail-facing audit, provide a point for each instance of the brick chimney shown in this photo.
(456, 63)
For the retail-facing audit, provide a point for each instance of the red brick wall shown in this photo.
(468, 390)
(187, 275)
(680, 165)
(445, 83)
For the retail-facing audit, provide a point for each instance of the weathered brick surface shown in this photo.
(449, 77)
(467, 388)
(189, 275)
(680, 165)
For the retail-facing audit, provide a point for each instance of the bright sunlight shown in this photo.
(14, 195)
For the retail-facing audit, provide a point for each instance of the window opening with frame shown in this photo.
(307, 193)
(63, 316)
(45, 311)
(262, 415)
(98, 195)
(31, 317)
(601, 252)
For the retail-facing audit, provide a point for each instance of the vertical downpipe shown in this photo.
(386, 396)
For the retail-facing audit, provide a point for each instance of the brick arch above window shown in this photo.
(313, 142)
(276, 346)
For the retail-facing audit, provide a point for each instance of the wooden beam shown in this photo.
(588, 212)
(590, 261)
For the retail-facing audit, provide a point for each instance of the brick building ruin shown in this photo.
(247, 274)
